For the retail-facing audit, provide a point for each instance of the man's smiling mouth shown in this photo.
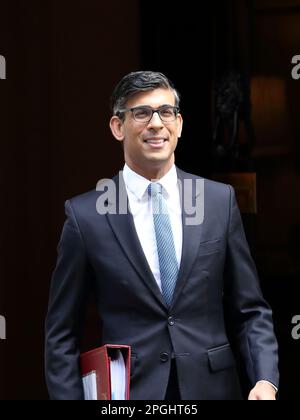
(155, 141)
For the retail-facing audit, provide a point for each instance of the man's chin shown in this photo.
(159, 160)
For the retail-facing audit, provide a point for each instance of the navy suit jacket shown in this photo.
(218, 319)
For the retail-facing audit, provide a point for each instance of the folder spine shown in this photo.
(98, 362)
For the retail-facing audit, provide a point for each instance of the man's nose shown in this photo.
(155, 121)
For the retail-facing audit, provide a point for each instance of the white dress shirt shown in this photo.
(141, 208)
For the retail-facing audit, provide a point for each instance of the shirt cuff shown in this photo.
(263, 380)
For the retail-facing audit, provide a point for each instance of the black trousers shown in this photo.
(173, 393)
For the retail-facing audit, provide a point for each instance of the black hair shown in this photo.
(139, 81)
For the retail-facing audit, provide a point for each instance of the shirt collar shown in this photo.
(169, 181)
(138, 185)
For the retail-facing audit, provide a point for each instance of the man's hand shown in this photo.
(263, 390)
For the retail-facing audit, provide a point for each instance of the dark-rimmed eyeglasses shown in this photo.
(144, 114)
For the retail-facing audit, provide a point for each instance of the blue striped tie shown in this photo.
(168, 264)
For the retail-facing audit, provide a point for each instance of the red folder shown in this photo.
(98, 361)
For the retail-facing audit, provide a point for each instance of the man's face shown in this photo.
(149, 147)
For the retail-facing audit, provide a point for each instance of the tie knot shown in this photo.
(154, 189)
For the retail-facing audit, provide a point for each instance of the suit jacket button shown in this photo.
(171, 320)
(164, 357)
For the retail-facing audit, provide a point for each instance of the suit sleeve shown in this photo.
(250, 315)
(65, 313)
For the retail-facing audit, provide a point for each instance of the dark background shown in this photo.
(63, 60)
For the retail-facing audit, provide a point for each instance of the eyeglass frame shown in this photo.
(176, 110)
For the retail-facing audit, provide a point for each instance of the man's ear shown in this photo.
(180, 124)
(116, 127)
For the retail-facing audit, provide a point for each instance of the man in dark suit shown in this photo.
(171, 269)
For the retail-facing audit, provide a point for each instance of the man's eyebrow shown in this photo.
(148, 106)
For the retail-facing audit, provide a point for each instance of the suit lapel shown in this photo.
(191, 233)
(125, 232)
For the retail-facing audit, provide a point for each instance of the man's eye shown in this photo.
(168, 112)
(141, 113)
